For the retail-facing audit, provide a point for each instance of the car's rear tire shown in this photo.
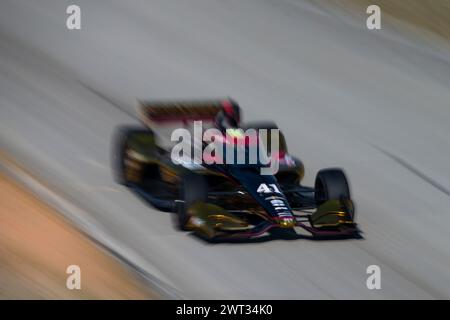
(119, 147)
(193, 187)
(331, 184)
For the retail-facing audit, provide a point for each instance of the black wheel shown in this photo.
(119, 149)
(268, 125)
(331, 184)
(193, 187)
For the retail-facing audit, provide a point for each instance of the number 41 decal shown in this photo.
(268, 188)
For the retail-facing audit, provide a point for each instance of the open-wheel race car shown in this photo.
(221, 201)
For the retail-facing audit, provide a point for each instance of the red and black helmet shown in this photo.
(229, 116)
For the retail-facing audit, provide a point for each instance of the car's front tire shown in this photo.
(331, 184)
(193, 187)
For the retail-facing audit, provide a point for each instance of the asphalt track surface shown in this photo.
(369, 102)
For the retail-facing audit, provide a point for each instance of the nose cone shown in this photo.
(287, 223)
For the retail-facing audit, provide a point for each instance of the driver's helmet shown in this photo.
(229, 116)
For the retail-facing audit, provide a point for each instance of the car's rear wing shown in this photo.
(159, 112)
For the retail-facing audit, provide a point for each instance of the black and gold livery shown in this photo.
(222, 201)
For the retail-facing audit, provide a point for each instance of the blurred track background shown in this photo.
(373, 102)
(37, 245)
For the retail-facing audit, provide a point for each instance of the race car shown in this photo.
(224, 201)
